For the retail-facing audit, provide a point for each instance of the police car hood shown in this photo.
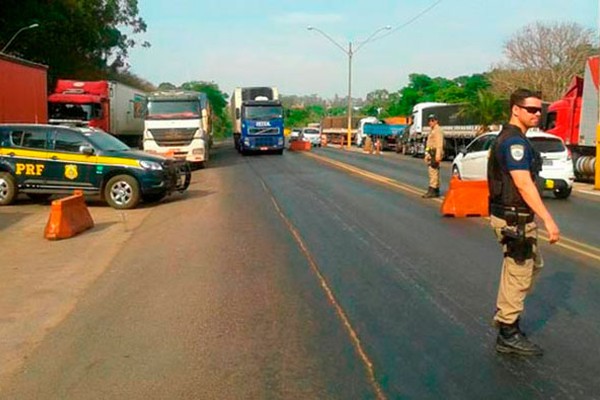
(135, 154)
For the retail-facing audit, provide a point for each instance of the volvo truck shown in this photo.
(257, 116)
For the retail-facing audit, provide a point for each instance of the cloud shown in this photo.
(301, 18)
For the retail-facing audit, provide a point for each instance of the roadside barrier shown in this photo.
(466, 199)
(300, 145)
(68, 217)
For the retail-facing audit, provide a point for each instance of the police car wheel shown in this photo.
(122, 192)
(8, 189)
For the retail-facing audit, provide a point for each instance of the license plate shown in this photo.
(264, 148)
(546, 162)
(549, 184)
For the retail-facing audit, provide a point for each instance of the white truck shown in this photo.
(178, 124)
(417, 135)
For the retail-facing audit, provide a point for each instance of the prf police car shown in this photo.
(42, 160)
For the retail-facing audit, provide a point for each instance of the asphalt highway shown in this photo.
(288, 277)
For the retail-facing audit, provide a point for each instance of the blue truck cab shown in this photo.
(262, 126)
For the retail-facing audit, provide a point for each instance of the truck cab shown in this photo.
(178, 124)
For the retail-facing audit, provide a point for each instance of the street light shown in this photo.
(349, 52)
(16, 34)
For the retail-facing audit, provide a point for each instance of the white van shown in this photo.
(557, 165)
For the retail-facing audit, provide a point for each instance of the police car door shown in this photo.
(26, 153)
(70, 168)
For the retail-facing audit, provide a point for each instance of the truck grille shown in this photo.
(264, 141)
(173, 136)
(263, 131)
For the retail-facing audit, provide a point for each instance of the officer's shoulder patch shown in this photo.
(517, 151)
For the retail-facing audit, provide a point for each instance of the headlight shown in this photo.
(280, 141)
(247, 142)
(151, 165)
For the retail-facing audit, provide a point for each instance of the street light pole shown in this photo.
(349, 52)
(16, 34)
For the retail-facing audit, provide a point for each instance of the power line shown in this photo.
(410, 21)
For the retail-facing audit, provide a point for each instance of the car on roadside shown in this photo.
(295, 134)
(557, 166)
(43, 160)
(312, 135)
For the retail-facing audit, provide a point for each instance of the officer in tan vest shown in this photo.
(434, 152)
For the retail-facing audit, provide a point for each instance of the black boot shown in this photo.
(512, 340)
(429, 194)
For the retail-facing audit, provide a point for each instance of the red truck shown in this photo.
(23, 91)
(574, 118)
(111, 106)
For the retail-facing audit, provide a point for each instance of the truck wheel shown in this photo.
(562, 193)
(8, 189)
(122, 192)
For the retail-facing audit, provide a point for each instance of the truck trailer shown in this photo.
(23, 91)
(574, 118)
(178, 123)
(108, 105)
(257, 116)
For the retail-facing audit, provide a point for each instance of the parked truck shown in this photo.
(178, 123)
(108, 105)
(386, 134)
(23, 91)
(336, 128)
(574, 118)
(459, 128)
(257, 116)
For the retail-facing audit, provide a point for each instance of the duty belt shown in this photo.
(511, 213)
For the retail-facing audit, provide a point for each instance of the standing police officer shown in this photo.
(433, 156)
(514, 200)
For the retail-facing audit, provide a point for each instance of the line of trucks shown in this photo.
(174, 123)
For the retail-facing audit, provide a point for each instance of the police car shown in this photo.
(42, 160)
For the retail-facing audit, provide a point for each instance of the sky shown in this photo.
(267, 43)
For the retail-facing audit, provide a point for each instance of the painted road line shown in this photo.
(575, 246)
(341, 313)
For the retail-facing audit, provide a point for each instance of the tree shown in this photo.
(78, 39)
(543, 56)
(218, 101)
(486, 109)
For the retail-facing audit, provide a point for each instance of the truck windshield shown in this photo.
(105, 142)
(262, 113)
(71, 111)
(173, 110)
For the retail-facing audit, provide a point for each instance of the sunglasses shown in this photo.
(530, 110)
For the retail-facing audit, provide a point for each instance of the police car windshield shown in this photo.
(105, 142)
(547, 145)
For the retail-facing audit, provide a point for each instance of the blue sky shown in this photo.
(248, 43)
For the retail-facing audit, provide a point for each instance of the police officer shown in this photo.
(513, 166)
(433, 156)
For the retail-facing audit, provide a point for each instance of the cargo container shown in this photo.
(23, 91)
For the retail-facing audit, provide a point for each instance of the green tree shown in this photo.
(486, 109)
(218, 101)
(78, 39)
